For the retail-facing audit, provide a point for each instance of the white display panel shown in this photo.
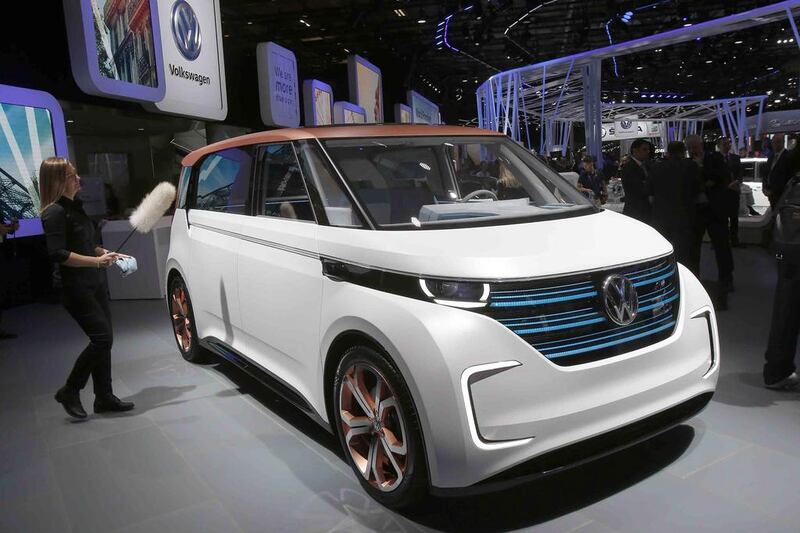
(194, 65)
(317, 103)
(347, 113)
(366, 87)
(278, 92)
(115, 48)
(402, 114)
(423, 111)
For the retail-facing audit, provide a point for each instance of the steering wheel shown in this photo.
(473, 194)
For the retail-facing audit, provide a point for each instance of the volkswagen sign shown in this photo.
(621, 299)
(186, 30)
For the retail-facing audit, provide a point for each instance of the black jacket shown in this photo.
(674, 185)
(68, 229)
(634, 182)
(715, 179)
(778, 174)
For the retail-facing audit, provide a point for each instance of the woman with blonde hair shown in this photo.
(72, 244)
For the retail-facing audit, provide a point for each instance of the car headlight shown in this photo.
(466, 294)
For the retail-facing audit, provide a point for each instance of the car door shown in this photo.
(279, 272)
(219, 204)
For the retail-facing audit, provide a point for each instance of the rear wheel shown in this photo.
(183, 324)
(378, 428)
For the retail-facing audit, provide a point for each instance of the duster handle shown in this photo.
(126, 240)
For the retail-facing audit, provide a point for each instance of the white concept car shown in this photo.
(459, 315)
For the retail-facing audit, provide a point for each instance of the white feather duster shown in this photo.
(153, 207)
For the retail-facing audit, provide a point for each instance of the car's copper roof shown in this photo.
(335, 132)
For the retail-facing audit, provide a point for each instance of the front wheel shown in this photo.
(379, 429)
(183, 324)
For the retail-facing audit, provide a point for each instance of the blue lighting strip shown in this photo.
(613, 343)
(600, 335)
(654, 280)
(587, 287)
(543, 301)
(640, 327)
(547, 329)
(648, 269)
(544, 320)
(658, 305)
(526, 291)
(530, 319)
(652, 273)
(661, 293)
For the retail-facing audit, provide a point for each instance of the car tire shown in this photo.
(379, 429)
(183, 323)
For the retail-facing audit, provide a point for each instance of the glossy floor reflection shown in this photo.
(209, 449)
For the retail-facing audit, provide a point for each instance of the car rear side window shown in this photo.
(223, 181)
(283, 192)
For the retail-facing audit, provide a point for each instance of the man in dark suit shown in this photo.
(634, 181)
(711, 210)
(674, 185)
(734, 164)
(778, 170)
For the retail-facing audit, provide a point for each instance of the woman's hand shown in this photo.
(107, 259)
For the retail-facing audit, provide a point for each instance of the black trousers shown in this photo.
(785, 324)
(732, 220)
(89, 307)
(706, 219)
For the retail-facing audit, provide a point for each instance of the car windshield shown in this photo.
(407, 182)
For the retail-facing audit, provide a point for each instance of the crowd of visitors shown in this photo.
(694, 190)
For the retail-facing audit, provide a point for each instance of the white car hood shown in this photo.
(544, 248)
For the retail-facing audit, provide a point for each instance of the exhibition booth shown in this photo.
(394, 327)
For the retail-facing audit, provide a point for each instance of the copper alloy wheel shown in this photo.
(373, 427)
(181, 323)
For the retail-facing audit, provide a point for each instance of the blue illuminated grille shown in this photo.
(564, 318)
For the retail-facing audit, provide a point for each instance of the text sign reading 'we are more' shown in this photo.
(277, 85)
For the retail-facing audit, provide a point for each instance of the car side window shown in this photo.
(223, 181)
(186, 175)
(283, 191)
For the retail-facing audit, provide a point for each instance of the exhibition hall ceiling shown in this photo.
(407, 39)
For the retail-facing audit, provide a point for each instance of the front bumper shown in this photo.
(531, 407)
(585, 451)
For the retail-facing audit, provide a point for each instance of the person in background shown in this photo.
(734, 164)
(711, 211)
(508, 186)
(673, 187)
(5, 229)
(778, 170)
(779, 368)
(591, 183)
(634, 181)
(72, 244)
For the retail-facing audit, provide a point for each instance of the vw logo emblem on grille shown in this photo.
(186, 30)
(621, 299)
(626, 124)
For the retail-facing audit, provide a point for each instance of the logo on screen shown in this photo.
(186, 30)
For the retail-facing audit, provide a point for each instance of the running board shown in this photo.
(261, 374)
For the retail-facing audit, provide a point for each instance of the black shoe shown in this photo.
(790, 382)
(6, 335)
(71, 402)
(111, 403)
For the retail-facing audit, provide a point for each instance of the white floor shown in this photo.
(208, 449)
